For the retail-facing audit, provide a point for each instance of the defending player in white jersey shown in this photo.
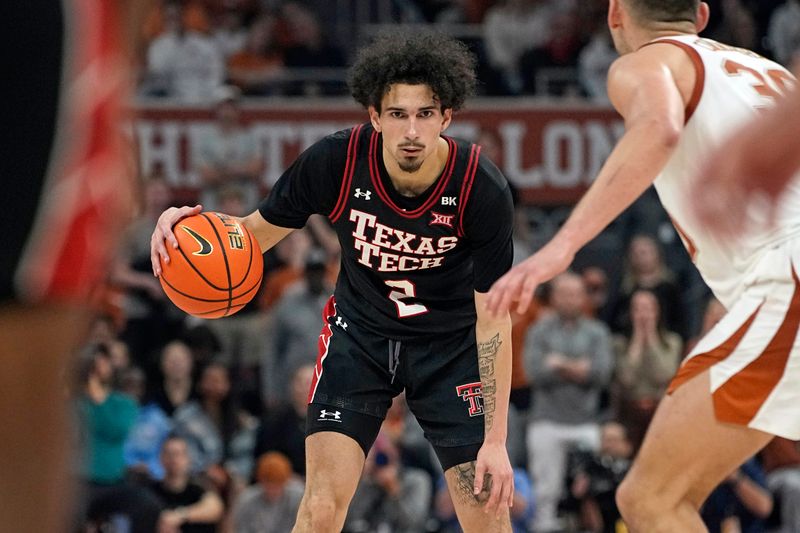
(759, 162)
(680, 95)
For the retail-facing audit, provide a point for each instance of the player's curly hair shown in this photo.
(420, 58)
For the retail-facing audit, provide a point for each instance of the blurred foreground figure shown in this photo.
(66, 187)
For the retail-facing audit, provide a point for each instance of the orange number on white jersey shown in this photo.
(772, 85)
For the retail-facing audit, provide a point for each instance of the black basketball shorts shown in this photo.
(358, 374)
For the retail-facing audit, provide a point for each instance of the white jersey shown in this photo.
(732, 85)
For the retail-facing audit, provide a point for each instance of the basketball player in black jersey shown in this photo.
(424, 222)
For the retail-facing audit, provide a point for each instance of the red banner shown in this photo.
(552, 153)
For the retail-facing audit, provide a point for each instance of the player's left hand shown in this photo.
(519, 283)
(493, 461)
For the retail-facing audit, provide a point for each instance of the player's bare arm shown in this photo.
(265, 233)
(493, 476)
(644, 91)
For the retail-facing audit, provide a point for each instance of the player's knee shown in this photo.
(323, 512)
(635, 503)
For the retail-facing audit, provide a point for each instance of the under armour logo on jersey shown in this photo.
(330, 416)
(341, 323)
(365, 194)
(448, 200)
(471, 392)
(442, 220)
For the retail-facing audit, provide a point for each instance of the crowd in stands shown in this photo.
(523, 47)
(198, 426)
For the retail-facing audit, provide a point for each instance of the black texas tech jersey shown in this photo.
(410, 266)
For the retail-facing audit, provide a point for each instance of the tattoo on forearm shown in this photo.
(465, 483)
(487, 353)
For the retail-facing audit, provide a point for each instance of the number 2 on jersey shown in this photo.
(779, 81)
(407, 290)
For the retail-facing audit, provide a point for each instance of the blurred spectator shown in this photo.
(177, 386)
(390, 496)
(188, 507)
(107, 415)
(596, 476)
(307, 47)
(570, 362)
(595, 279)
(106, 418)
(143, 446)
(227, 154)
(283, 428)
(551, 69)
(283, 267)
(784, 33)
(594, 60)
(217, 432)
(741, 503)
(193, 16)
(229, 33)
(512, 28)
(296, 326)
(258, 66)
(103, 330)
(150, 318)
(646, 361)
(404, 432)
(522, 512)
(737, 27)
(781, 461)
(182, 63)
(269, 506)
(645, 269)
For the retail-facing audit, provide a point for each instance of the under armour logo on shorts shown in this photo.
(330, 416)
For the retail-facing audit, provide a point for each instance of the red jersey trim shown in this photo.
(323, 346)
(700, 78)
(347, 176)
(435, 195)
(466, 186)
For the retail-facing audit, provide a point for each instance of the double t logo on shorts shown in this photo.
(471, 392)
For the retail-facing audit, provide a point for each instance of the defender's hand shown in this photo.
(493, 462)
(163, 232)
(519, 283)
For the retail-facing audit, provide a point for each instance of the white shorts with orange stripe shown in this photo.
(753, 353)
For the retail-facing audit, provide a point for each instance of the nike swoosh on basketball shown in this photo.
(205, 246)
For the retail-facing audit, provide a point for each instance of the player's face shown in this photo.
(411, 121)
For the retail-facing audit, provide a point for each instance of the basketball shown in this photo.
(216, 269)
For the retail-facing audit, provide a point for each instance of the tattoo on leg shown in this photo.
(465, 483)
(487, 353)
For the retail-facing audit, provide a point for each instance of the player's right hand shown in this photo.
(163, 234)
(519, 283)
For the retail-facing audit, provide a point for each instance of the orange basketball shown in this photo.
(216, 269)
